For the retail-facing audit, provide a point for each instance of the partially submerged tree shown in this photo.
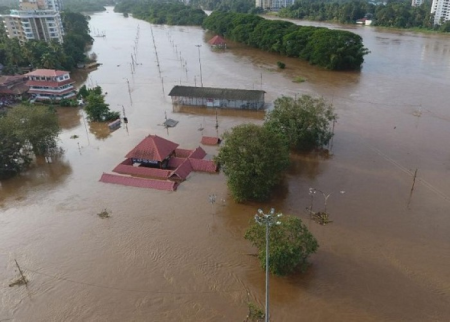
(290, 243)
(253, 160)
(304, 121)
(26, 129)
(96, 108)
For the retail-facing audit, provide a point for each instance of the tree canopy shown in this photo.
(26, 129)
(290, 244)
(304, 121)
(332, 49)
(96, 108)
(170, 12)
(253, 159)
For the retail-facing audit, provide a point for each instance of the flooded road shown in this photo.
(172, 256)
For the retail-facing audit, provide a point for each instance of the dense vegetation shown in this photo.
(243, 6)
(169, 13)
(41, 54)
(332, 49)
(24, 131)
(398, 14)
(290, 244)
(86, 5)
(253, 159)
(96, 108)
(304, 121)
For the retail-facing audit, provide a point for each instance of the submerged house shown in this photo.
(217, 42)
(217, 97)
(158, 163)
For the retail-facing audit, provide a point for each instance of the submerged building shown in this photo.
(49, 84)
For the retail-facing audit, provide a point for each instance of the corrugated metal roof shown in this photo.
(139, 182)
(152, 147)
(217, 93)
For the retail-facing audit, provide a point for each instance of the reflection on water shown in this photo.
(173, 256)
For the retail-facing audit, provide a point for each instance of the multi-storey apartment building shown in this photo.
(36, 19)
(273, 4)
(416, 3)
(441, 10)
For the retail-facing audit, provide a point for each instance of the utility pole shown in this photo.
(267, 220)
(200, 63)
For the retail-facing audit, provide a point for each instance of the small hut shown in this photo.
(217, 42)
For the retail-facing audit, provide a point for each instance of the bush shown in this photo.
(281, 65)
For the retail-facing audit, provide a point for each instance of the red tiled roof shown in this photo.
(139, 182)
(49, 84)
(182, 153)
(210, 140)
(142, 171)
(183, 170)
(198, 153)
(154, 148)
(8, 79)
(175, 162)
(203, 165)
(46, 73)
(216, 41)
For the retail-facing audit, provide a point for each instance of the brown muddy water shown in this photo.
(172, 256)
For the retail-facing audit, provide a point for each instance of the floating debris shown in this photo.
(105, 213)
(170, 123)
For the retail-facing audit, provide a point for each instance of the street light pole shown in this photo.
(267, 220)
(200, 63)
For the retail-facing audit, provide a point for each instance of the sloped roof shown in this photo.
(7, 80)
(203, 165)
(139, 182)
(198, 153)
(142, 171)
(210, 140)
(47, 73)
(175, 162)
(216, 41)
(152, 147)
(182, 153)
(217, 93)
(183, 170)
(50, 84)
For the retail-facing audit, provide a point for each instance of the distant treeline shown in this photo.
(398, 14)
(87, 5)
(332, 49)
(52, 55)
(243, 6)
(170, 13)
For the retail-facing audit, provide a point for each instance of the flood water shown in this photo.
(172, 256)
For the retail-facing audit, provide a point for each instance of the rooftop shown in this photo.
(46, 73)
(217, 93)
(154, 148)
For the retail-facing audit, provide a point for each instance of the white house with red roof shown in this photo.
(50, 84)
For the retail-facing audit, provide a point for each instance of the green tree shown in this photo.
(290, 244)
(35, 125)
(253, 160)
(305, 121)
(96, 108)
(13, 159)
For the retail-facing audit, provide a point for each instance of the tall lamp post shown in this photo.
(267, 220)
(200, 63)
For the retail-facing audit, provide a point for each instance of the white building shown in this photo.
(441, 10)
(49, 84)
(273, 4)
(416, 3)
(36, 20)
(34, 24)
